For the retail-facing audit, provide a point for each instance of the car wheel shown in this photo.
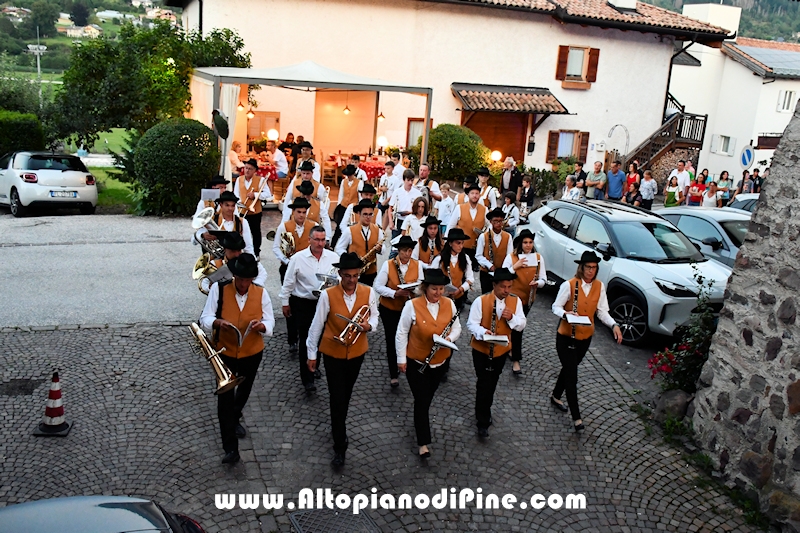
(87, 209)
(631, 316)
(17, 209)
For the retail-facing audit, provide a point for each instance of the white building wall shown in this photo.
(432, 44)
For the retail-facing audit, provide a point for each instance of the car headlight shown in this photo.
(674, 290)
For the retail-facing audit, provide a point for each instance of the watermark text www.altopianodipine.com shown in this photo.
(445, 499)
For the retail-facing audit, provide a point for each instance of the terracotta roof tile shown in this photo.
(507, 99)
(534, 5)
(761, 43)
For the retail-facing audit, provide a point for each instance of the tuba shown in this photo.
(353, 329)
(371, 257)
(225, 378)
(205, 219)
(287, 244)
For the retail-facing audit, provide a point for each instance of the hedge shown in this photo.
(20, 131)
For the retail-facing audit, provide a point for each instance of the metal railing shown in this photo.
(679, 130)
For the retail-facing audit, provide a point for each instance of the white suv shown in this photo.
(647, 267)
(30, 179)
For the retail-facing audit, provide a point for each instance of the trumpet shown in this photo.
(353, 330)
(248, 208)
(205, 219)
(225, 378)
(371, 257)
(328, 280)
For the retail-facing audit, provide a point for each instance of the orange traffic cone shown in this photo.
(53, 424)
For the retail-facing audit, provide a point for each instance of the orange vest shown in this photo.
(210, 203)
(466, 223)
(335, 325)
(412, 274)
(499, 256)
(501, 324)
(312, 213)
(587, 306)
(420, 335)
(427, 256)
(486, 200)
(461, 198)
(237, 223)
(302, 242)
(456, 275)
(294, 193)
(359, 246)
(254, 342)
(350, 194)
(254, 186)
(521, 286)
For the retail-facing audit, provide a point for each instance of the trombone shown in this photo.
(248, 208)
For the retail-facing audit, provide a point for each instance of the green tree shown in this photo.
(79, 14)
(7, 27)
(44, 16)
(455, 152)
(17, 93)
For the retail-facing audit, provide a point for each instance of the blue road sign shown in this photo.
(747, 156)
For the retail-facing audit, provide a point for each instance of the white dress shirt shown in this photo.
(276, 244)
(531, 262)
(516, 322)
(321, 316)
(513, 220)
(491, 194)
(347, 238)
(444, 208)
(209, 314)
(398, 170)
(341, 190)
(473, 212)
(415, 253)
(411, 225)
(385, 181)
(279, 160)
(265, 194)
(565, 295)
(301, 274)
(324, 219)
(315, 175)
(469, 275)
(408, 317)
(497, 238)
(433, 187)
(348, 214)
(229, 225)
(403, 200)
(360, 174)
(383, 277)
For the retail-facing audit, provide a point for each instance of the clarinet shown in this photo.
(489, 241)
(435, 348)
(489, 367)
(574, 310)
(400, 275)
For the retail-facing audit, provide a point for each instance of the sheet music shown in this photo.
(409, 285)
(578, 320)
(209, 194)
(496, 339)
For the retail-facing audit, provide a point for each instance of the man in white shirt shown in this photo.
(305, 155)
(233, 243)
(297, 293)
(316, 212)
(401, 203)
(247, 189)
(386, 186)
(490, 256)
(361, 238)
(398, 166)
(424, 180)
(355, 160)
(306, 172)
(684, 179)
(278, 159)
(217, 182)
(227, 220)
(496, 313)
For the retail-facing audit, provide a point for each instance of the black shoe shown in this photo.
(230, 458)
(579, 427)
(483, 433)
(394, 383)
(338, 460)
(310, 387)
(559, 405)
(293, 348)
(240, 431)
(317, 374)
(425, 455)
(444, 378)
(517, 372)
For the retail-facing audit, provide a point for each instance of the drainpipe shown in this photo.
(669, 78)
(200, 22)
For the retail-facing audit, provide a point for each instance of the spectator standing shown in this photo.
(445, 207)
(696, 190)
(758, 181)
(526, 195)
(596, 182)
(616, 182)
(648, 188)
(684, 179)
(673, 194)
(571, 192)
(633, 175)
(580, 177)
(511, 179)
(724, 187)
(711, 196)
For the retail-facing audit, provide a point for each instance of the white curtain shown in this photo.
(202, 92)
(229, 101)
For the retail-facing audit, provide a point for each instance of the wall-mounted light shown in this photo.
(531, 144)
(240, 107)
(381, 118)
(496, 155)
(250, 113)
(346, 110)
(272, 134)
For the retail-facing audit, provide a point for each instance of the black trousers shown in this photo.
(303, 312)
(516, 340)
(487, 383)
(647, 204)
(471, 253)
(390, 319)
(568, 378)
(254, 221)
(423, 387)
(291, 325)
(486, 282)
(341, 375)
(367, 279)
(231, 403)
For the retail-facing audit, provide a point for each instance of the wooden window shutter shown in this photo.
(552, 146)
(561, 65)
(591, 71)
(583, 146)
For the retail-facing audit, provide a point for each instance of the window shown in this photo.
(647, 241)
(591, 232)
(414, 130)
(566, 143)
(559, 220)
(6, 159)
(785, 101)
(698, 229)
(723, 144)
(576, 66)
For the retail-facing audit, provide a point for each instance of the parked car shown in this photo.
(93, 514)
(718, 233)
(31, 179)
(648, 266)
(745, 202)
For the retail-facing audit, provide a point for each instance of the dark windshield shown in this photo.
(53, 162)
(655, 241)
(736, 230)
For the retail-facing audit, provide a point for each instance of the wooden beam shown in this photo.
(537, 123)
(468, 115)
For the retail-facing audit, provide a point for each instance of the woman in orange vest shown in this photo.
(584, 296)
(422, 318)
(430, 244)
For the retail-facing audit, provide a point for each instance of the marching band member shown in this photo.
(305, 157)
(468, 217)
(233, 243)
(584, 295)
(424, 180)
(455, 262)
(245, 306)
(315, 213)
(367, 192)
(401, 203)
(462, 197)
(246, 190)
(386, 186)
(306, 171)
(490, 256)
(412, 225)
(342, 360)
(489, 194)
(496, 313)
(511, 220)
(421, 319)
(227, 220)
(355, 160)
(218, 182)
(348, 192)
(430, 244)
(531, 275)
(398, 271)
(297, 296)
(361, 238)
(299, 226)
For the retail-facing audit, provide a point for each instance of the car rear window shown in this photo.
(53, 162)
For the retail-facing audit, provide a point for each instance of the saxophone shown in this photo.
(371, 257)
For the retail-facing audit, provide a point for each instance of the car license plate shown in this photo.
(63, 194)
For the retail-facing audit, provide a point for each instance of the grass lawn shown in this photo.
(115, 138)
(46, 76)
(111, 192)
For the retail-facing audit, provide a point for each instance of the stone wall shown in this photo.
(746, 411)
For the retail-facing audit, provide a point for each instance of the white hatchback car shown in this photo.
(39, 179)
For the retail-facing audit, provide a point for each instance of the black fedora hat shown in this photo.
(405, 242)
(434, 276)
(349, 261)
(232, 241)
(588, 257)
(305, 187)
(456, 234)
(430, 221)
(218, 180)
(245, 266)
(227, 196)
(252, 162)
(471, 186)
(349, 170)
(524, 234)
(367, 188)
(363, 203)
(495, 213)
(307, 166)
(503, 274)
(471, 179)
(483, 171)
(306, 144)
(300, 203)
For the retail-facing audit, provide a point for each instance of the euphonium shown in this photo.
(352, 331)
(205, 219)
(225, 378)
(371, 257)
(202, 269)
(287, 244)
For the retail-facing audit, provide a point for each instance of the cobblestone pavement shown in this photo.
(145, 425)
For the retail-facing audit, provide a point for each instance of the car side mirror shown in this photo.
(605, 249)
(713, 242)
(697, 246)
